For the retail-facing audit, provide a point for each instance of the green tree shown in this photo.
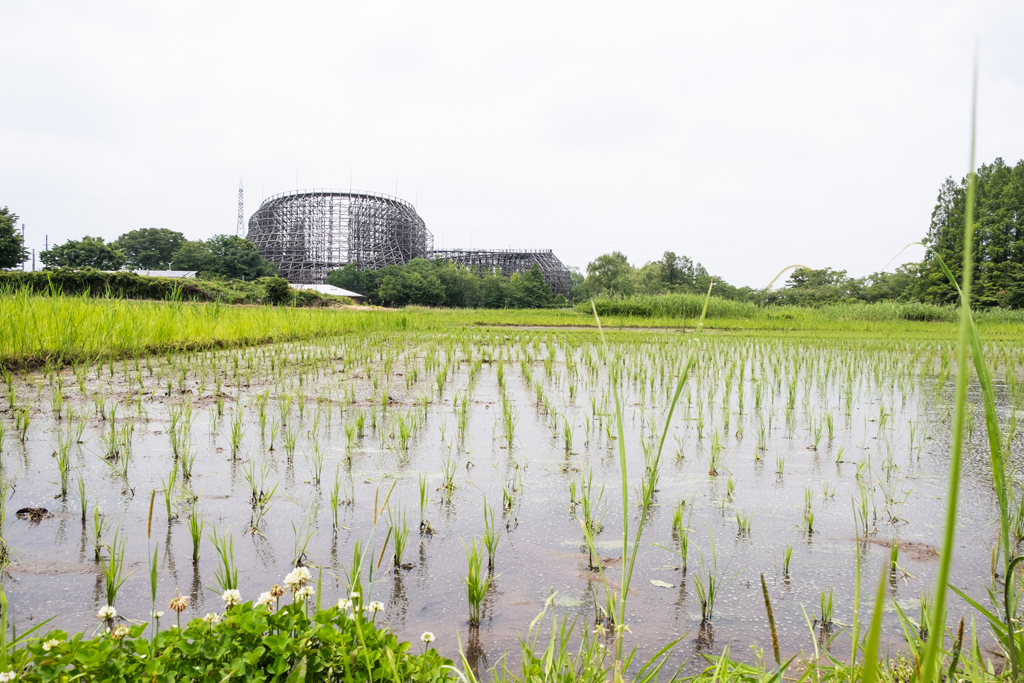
(149, 248)
(227, 256)
(12, 247)
(579, 290)
(494, 290)
(535, 293)
(88, 252)
(610, 274)
(461, 285)
(193, 256)
(365, 282)
(902, 285)
(237, 258)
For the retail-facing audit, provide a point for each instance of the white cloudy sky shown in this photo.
(747, 135)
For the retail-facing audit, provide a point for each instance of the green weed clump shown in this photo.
(247, 643)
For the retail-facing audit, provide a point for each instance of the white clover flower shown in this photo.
(427, 637)
(107, 612)
(211, 618)
(354, 595)
(9, 676)
(120, 632)
(158, 613)
(344, 604)
(50, 644)
(231, 597)
(297, 578)
(265, 598)
(376, 606)
(304, 593)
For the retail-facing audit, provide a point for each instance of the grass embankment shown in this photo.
(873, 320)
(128, 285)
(35, 330)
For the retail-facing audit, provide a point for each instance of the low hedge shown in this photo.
(121, 284)
(128, 285)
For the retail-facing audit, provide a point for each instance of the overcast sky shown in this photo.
(746, 135)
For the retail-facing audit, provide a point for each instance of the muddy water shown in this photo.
(890, 411)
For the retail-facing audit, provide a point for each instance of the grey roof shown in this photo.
(166, 273)
(330, 289)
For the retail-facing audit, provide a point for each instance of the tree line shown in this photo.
(225, 256)
(998, 257)
(426, 282)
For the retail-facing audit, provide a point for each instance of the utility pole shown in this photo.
(33, 260)
(23, 244)
(241, 211)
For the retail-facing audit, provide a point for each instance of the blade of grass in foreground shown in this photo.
(627, 572)
(870, 671)
(999, 479)
(929, 662)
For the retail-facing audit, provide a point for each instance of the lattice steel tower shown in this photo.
(240, 227)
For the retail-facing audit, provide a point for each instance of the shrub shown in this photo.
(278, 291)
(252, 643)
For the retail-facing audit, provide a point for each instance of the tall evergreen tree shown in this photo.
(999, 237)
(12, 247)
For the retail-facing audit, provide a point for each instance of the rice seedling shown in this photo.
(425, 527)
(63, 457)
(22, 418)
(226, 573)
(83, 502)
(817, 431)
(5, 551)
(275, 426)
(113, 567)
(743, 523)
(715, 457)
(476, 584)
(492, 534)
(708, 583)
(681, 530)
(787, 555)
(398, 530)
(290, 441)
(591, 505)
(196, 524)
(237, 430)
(447, 488)
(825, 609)
(302, 535)
(168, 489)
(316, 464)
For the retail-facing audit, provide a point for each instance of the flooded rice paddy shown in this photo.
(779, 455)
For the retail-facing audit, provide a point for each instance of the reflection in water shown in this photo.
(826, 633)
(423, 575)
(398, 603)
(196, 592)
(681, 598)
(475, 654)
(99, 591)
(82, 546)
(169, 557)
(705, 638)
(264, 550)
